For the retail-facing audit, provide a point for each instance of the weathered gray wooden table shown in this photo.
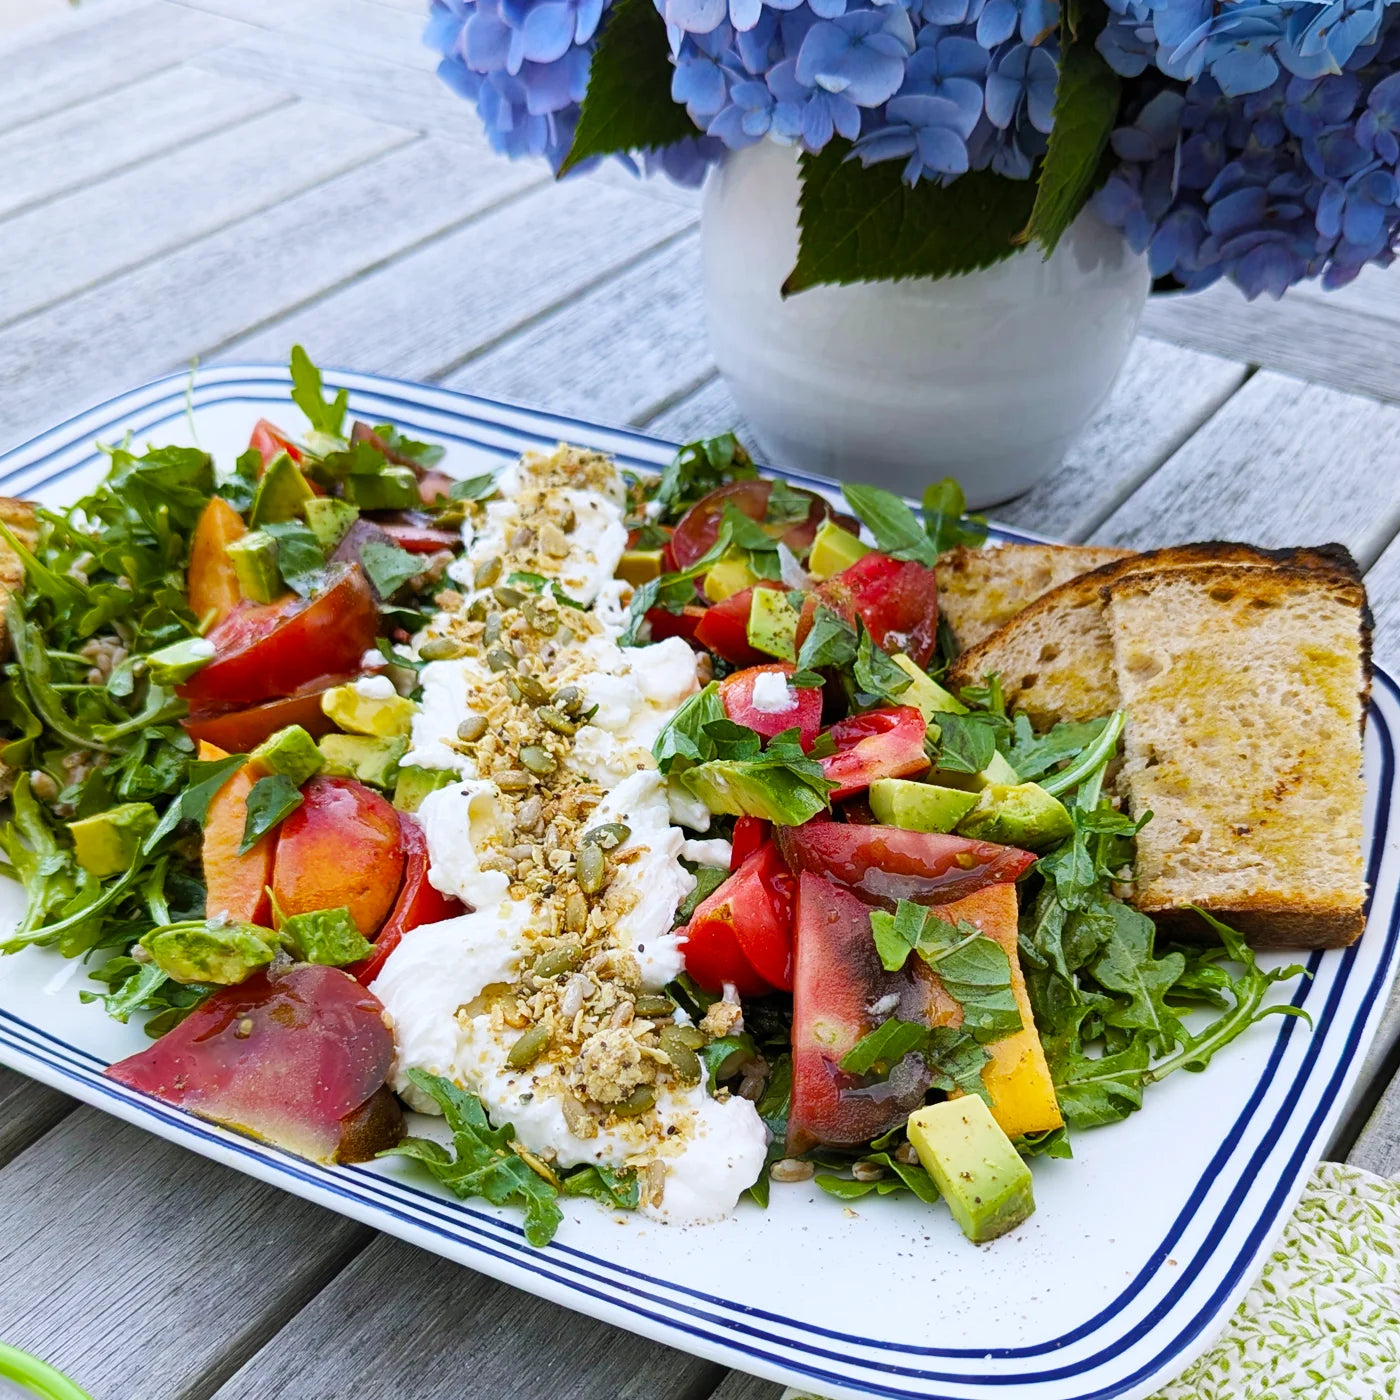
(217, 178)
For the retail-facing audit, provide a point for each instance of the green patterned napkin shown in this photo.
(1323, 1319)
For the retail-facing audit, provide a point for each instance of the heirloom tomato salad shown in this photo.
(622, 823)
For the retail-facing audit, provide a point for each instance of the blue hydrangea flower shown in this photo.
(1022, 79)
(860, 55)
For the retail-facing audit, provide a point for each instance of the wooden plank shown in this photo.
(141, 1269)
(737, 1386)
(66, 67)
(55, 19)
(160, 315)
(27, 1111)
(1383, 587)
(1309, 333)
(462, 1337)
(1377, 1149)
(1283, 463)
(352, 81)
(710, 409)
(361, 26)
(424, 314)
(75, 241)
(80, 144)
(616, 354)
(1162, 397)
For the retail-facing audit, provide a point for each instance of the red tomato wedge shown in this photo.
(896, 599)
(749, 834)
(884, 864)
(736, 695)
(837, 980)
(342, 848)
(420, 538)
(887, 743)
(698, 529)
(239, 731)
(743, 932)
(418, 903)
(286, 1058)
(683, 624)
(270, 440)
(724, 629)
(267, 651)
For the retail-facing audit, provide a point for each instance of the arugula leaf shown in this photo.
(897, 530)
(329, 937)
(142, 987)
(616, 1188)
(1054, 1142)
(270, 800)
(389, 566)
(206, 777)
(886, 1045)
(946, 521)
(1128, 967)
(473, 488)
(973, 968)
(307, 394)
(699, 468)
(300, 559)
(482, 1162)
(1034, 755)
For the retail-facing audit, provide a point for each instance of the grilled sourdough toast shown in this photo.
(18, 516)
(1055, 657)
(1246, 690)
(980, 590)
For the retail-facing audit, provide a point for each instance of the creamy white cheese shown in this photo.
(772, 695)
(716, 853)
(457, 822)
(375, 687)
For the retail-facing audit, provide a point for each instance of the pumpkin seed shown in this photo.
(653, 1006)
(476, 610)
(684, 1061)
(487, 572)
(552, 719)
(609, 836)
(472, 728)
(689, 1036)
(492, 631)
(529, 1047)
(513, 691)
(557, 961)
(569, 699)
(575, 913)
(442, 649)
(531, 689)
(507, 596)
(642, 1098)
(499, 659)
(591, 869)
(538, 760)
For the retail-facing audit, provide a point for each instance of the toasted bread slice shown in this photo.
(1055, 657)
(19, 517)
(980, 590)
(1246, 689)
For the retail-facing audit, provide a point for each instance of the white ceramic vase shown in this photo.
(986, 377)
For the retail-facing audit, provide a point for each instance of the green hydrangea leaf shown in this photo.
(866, 225)
(628, 106)
(1086, 108)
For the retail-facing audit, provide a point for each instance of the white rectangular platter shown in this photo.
(1140, 1246)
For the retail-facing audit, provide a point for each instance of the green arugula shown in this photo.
(482, 1161)
(613, 1188)
(1034, 755)
(946, 521)
(973, 968)
(142, 988)
(270, 801)
(421, 454)
(308, 395)
(708, 879)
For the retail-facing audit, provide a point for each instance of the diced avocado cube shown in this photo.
(918, 806)
(291, 752)
(638, 566)
(281, 494)
(107, 842)
(254, 558)
(833, 549)
(326, 936)
(925, 692)
(413, 784)
(973, 1164)
(200, 951)
(371, 760)
(998, 772)
(1019, 814)
(729, 575)
(380, 716)
(180, 660)
(731, 786)
(329, 519)
(394, 488)
(773, 624)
